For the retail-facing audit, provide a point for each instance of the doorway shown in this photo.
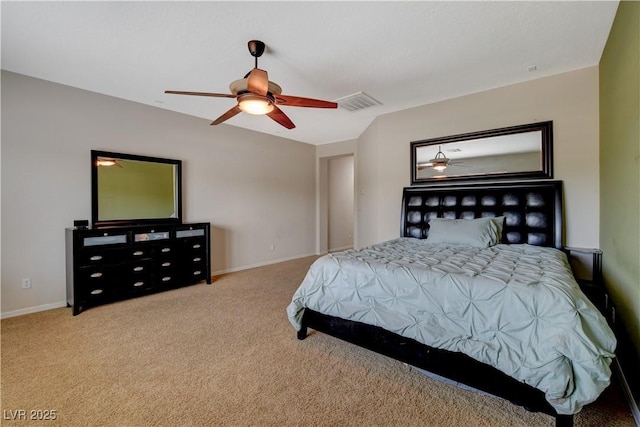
(336, 203)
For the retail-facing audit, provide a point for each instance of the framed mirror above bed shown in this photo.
(515, 152)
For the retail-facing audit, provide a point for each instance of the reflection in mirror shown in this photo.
(515, 152)
(134, 189)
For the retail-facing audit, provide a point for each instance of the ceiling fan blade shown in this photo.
(258, 82)
(296, 101)
(215, 95)
(232, 112)
(281, 118)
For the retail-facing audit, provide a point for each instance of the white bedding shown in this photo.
(515, 307)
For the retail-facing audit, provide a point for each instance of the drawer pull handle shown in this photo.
(196, 246)
(96, 258)
(197, 259)
(166, 278)
(138, 284)
(165, 250)
(166, 264)
(96, 275)
(138, 253)
(96, 292)
(195, 273)
(138, 268)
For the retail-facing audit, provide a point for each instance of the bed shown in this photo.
(476, 289)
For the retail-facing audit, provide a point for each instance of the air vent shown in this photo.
(357, 101)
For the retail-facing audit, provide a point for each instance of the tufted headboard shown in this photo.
(532, 210)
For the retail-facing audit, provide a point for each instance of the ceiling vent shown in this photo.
(357, 101)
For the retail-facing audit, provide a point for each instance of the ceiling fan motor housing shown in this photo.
(256, 48)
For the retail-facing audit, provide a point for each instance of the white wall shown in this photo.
(255, 190)
(570, 100)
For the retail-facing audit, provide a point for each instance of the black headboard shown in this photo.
(533, 210)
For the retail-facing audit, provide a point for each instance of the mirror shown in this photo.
(517, 152)
(129, 189)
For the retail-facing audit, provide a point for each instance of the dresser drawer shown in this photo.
(167, 279)
(191, 232)
(199, 273)
(151, 235)
(164, 251)
(194, 245)
(139, 284)
(97, 283)
(166, 266)
(100, 256)
(140, 268)
(104, 239)
(139, 253)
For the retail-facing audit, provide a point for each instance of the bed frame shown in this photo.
(533, 215)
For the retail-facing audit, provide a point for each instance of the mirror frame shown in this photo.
(96, 222)
(546, 149)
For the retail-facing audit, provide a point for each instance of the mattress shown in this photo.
(517, 308)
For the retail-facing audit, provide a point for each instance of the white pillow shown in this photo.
(479, 232)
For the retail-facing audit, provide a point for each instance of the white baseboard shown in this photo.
(627, 391)
(35, 309)
(344, 248)
(44, 307)
(260, 264)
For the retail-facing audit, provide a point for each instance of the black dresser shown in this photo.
(115, 263)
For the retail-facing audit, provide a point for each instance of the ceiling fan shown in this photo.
(255, 94)
(439, 162)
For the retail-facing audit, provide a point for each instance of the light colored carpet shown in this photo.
(226, 355)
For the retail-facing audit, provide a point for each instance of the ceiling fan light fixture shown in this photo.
(440, 167)
(105, 162)
(255, 104)
(440, 161)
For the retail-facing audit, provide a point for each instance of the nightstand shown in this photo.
(586, 264)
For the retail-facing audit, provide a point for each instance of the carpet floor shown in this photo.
(225, 355)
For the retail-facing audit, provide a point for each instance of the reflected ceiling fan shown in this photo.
(108, 161)
(439, 162)
(257, 95)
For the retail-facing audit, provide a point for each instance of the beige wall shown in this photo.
(324, 153)
(570, 100)
(255, 190)
(620, 165)
(340, 206)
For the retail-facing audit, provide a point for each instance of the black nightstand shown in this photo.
(586, 265)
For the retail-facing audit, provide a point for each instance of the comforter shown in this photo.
(515, 307)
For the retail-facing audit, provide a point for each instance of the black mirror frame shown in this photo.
(97, 223)
(546, 152)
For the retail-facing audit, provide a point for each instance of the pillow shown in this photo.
(499, 222)
(479, 232)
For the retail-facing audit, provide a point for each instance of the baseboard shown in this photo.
(260, 264)
(35, 309)
(625, 364)
(624, 384)
(344, 248)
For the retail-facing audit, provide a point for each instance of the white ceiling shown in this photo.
(403, 54)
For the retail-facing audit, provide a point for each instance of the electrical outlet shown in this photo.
(26, 283)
